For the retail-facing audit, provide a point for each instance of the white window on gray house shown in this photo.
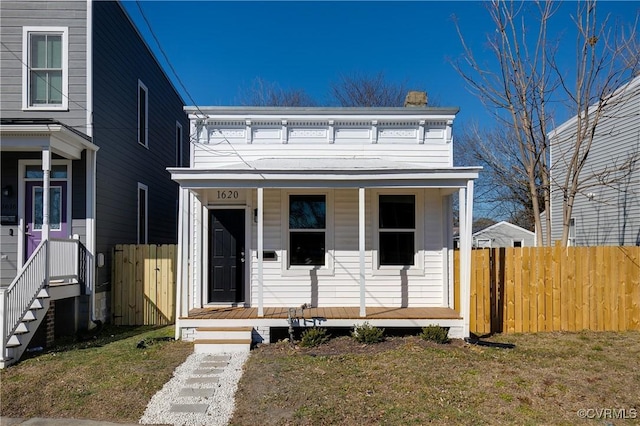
(307, 230)
(397, 230)
(45, 68)
(143, 213)
(179, 145)
(517, 243)
(572, 232)
(143, 114)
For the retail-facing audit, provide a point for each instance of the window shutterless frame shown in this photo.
(143, 213)
(179, 145)
(45, 68)
(307, 229)
(398, 226)
(143, 114)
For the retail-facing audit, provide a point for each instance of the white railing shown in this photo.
(64, 259)
(16, 300)
(52, 260)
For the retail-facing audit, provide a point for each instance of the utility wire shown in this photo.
(166, 58)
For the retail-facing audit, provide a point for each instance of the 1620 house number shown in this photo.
(228, 195)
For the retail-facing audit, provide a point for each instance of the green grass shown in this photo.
(107, 378)
(546, 379)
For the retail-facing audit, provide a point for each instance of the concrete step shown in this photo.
(223, 333)
(211, 346)
(43, 294)
(29, 316)
(22, 328)
(13, 341)
(37, 304)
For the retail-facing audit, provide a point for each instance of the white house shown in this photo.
(503, 234)
(346, 212)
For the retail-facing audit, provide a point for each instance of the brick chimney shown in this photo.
(415, 99)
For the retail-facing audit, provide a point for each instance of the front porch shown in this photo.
(342, 316)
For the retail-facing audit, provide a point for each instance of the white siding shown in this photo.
(341, 288)
(207, 156)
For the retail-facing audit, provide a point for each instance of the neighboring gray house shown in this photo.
(88, 113)
(607, 210)
(503, 234)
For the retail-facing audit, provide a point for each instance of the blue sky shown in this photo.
(217, 48)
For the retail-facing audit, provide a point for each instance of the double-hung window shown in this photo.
(143, 114)
(396, 230)
(143, 213)
(179, 145)
(307, 230)
(45, 68)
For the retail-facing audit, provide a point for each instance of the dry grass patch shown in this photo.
(107, 378)
(546, 379)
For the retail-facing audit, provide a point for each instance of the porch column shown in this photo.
(46, 178)
(361, 248)
(182, 260)
(466, 220)
(260, 249)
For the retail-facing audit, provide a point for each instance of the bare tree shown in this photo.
(364, 90)
(526, 79)
(503, 185)
(265, 93)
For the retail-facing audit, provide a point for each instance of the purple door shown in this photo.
(58, 217)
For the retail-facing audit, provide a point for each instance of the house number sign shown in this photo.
(228, 195)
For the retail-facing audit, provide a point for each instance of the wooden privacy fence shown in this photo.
(532, 289)
(144, 284)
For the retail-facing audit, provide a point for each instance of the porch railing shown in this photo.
(18, 297)
(67, 260)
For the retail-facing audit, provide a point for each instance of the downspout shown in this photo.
(91, 164)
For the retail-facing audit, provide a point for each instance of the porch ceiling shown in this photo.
(323, 172)
(36, 136)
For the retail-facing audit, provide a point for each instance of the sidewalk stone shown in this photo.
(196, 392)
(201, 380)
(189, 408)
(205, 371)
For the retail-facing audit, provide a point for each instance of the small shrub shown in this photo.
(313, 337)
(367, 333)
(435, 333)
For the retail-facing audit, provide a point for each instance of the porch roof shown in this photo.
(323, 172)
(36, 134)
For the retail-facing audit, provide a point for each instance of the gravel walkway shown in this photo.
(201, 392)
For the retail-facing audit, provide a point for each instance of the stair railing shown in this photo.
(17, 299)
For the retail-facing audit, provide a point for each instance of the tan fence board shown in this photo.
(143, 291)
(553, 289)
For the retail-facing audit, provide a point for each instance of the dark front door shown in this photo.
(226, 255)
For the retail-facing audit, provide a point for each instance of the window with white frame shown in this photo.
(143, 114)
(572, 232)
(396, 230)
(179, 146)
(517, 243)
(143, 213)
(307, 230)
(45, 73)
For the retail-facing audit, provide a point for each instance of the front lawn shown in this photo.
(546, 379)
(106, 378)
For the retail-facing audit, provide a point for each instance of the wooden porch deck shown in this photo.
(240, 313)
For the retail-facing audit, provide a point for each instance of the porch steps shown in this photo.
(222, 339)
(17, 343)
